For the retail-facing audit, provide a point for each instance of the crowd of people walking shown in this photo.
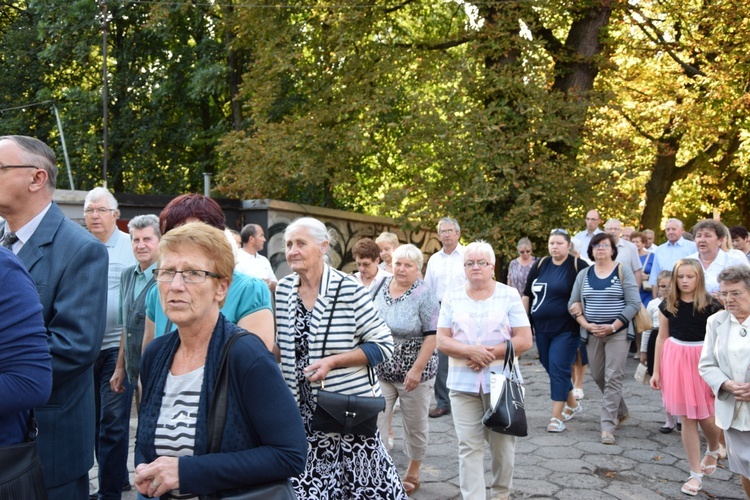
(249, 382)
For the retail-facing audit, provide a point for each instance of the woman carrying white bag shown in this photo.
(475, 321)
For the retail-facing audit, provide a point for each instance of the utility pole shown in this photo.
(105, 84)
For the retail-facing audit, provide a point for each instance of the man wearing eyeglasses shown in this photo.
(100, 210)
(65, 261)
(445, 270)
(593, 219)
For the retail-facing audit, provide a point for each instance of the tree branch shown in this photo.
(554, 45)
(435, 46)
(658, 38)
(637, 128)
(400, 6)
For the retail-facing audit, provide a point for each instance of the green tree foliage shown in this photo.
(672, 137)
(171, 70)
(422, 110)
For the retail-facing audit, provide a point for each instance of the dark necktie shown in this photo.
(9, 239)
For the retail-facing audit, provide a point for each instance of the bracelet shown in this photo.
(613, 328)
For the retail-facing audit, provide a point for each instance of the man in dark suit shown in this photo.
(69, 268)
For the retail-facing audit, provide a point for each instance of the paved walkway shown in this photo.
(643, 465)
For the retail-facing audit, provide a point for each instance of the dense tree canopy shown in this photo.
(514, 117)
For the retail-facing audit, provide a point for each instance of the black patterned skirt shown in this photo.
(339, 467)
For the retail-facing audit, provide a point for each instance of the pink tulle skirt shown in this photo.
(683, 390)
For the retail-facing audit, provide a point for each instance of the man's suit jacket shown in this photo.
(69, 268)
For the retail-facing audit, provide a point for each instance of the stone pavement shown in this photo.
(643, 465)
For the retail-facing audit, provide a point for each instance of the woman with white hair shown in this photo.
(475, 321)
(410, 309)
(329, 331)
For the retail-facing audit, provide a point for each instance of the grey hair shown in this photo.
(386, 237)
(317, 230)
(448, 220)
(524, 242)
(647, 231)
(36, 153)
(678, 221)
(97, 194)
(409, 252)
(735, 274)
(144, 221)
(482, 248)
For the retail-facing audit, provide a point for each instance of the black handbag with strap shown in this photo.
(21, 472)
(280, 489)
(343, 413)
(507, 413)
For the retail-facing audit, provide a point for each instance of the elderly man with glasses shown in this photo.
(100, 210)
(445, 270)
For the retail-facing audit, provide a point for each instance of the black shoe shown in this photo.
(94, 495)
(665, 430)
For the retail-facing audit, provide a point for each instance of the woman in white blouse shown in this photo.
(475, 321)
(725, 366)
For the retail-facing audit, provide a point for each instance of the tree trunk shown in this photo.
(658, 186)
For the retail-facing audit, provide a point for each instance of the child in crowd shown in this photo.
(682, 328)
(648, 340)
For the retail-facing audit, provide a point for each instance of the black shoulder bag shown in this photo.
(21, 473)
(281, 489)
(507, 413)
(343, 413)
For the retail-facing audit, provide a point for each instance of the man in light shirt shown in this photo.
(249, 259)
(627, 252)
(100, 210)
(670, 252)
(593, 219)
(445, 270)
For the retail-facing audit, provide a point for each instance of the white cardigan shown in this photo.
(714, 366)
(355, 321)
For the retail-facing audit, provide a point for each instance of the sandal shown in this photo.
(710, 469)
(411, 484)
(569, 412)
(608, 438)
(555, 425)
(578, 393)
(691, 489)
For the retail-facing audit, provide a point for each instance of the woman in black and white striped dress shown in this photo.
(339, 466)
(604, 300)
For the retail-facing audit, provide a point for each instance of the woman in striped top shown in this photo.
(338, 466)
(604, 300)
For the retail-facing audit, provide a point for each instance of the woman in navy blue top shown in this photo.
(557, 339)
(26, 375)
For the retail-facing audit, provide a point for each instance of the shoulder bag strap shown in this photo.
(217, 412)
(380, 285)
(330, 318)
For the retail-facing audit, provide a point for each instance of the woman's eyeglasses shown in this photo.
(524, 251)
(470, 263)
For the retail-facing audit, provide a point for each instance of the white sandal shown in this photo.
(569, 412)
(555, 425)
(710, 469)
(690, 489)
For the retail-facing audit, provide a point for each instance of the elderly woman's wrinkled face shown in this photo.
(386, 249)
(478, 268)
(405, 271)
(736, 298)
(185, 303)
(707, 241)
(303, 253)
(367, 267)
